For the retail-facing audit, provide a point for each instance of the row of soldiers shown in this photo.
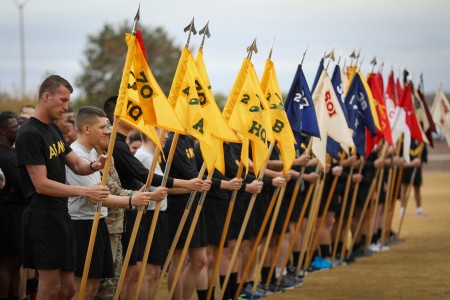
(47, 226)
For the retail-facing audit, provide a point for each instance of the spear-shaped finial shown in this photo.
(373, 62)
(304, 54)
(136, 19)
(252, 48)
(271, 48)
(191, 30)
(352, 57)
(331, 58)
(205, 32)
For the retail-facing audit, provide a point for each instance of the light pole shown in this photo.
(21, 5)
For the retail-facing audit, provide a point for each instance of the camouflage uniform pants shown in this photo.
(107, 286)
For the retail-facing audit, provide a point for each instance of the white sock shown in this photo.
(402, 211)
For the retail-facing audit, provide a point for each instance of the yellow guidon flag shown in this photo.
(281, 129)
(188, 98)
(247, 112)
(220, 130)
(143, 104)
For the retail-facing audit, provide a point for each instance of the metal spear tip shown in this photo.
(374, 61)
(205, 30)
(304, 54)
(191, 27)
(353, 54)
(138, 16)
(252, 48)
(330, 55)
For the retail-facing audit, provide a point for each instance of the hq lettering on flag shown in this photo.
(247, 112)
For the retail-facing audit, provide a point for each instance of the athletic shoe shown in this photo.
(274, 288)
(374, 248)
(333, 263)
(320, 264)
(287, 283)
(420, 212)
(247, 293)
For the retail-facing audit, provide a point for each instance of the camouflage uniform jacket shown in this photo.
(115, 218)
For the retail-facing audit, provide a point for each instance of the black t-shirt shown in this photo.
(132, 173)
(184, 165)
(42, 144)
(12, 192)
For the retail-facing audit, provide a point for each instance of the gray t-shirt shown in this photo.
(146, 158)
(80, 208)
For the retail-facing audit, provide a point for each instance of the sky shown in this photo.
(403, 34)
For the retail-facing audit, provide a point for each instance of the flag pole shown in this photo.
(387, 203)
(269, 235)
(244, 226)
(285, 225)
(350, 214)
(157, 210)
(136, 225)
(315, 216)
(374, 206)
(408, 189)
(178, 234)
(341, 216)
(224, 235)
(309, 225)
(322, 219)
(287, 219)
(396, 182)
(191, 30)
(189, 237)
(257, 241)
(298, 226)
(122, 94)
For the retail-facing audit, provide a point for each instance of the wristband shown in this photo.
(129, 202)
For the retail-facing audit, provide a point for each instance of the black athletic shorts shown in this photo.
(11, 228)
(407, 174)
(102, 265)
(237, 218)
(215, 211)
(130, 218)
(175, 209)
(160, 241)
(48, 239)
(261, 207)
(301, 197)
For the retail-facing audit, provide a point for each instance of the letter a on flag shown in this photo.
(220, 130)
(188, 104)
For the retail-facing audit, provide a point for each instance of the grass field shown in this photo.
(418, 268)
